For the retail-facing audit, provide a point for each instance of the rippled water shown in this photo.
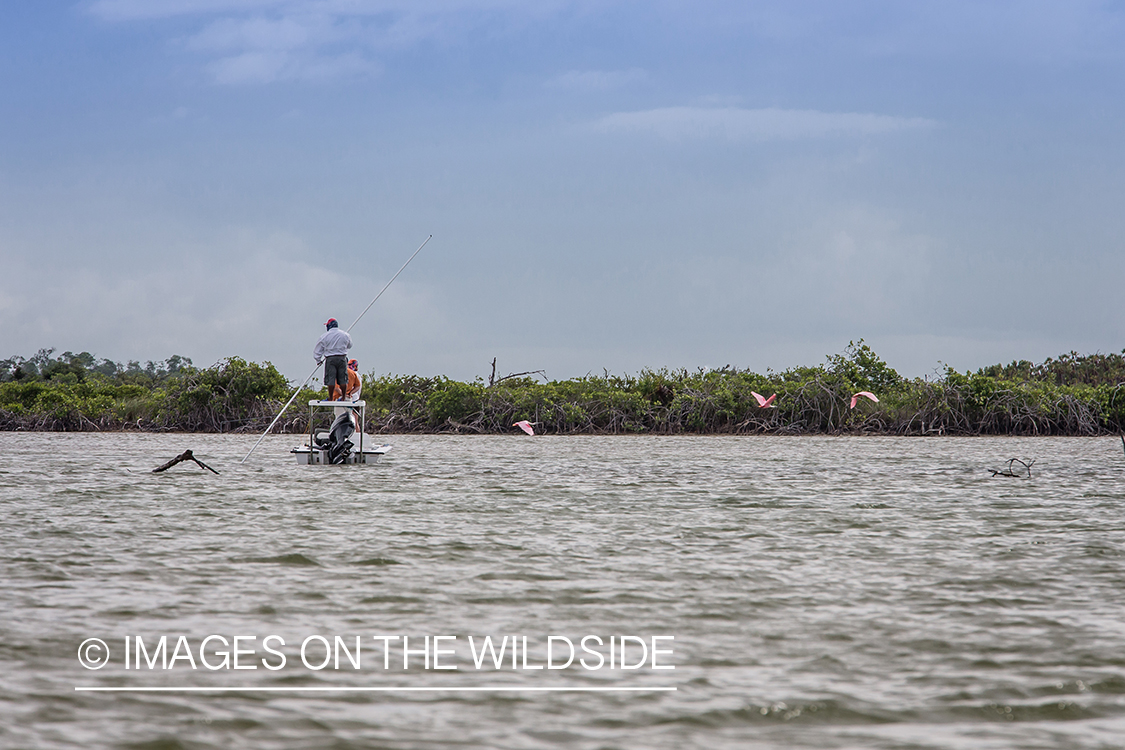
(822, 592)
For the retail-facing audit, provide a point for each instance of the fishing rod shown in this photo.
(317, 366)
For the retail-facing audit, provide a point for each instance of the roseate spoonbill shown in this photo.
(764, 402)
(868, 394)
(524, 425)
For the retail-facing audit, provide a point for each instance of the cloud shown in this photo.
(267, 67)
(136, 10)
(265, 304)
(597, 80)
(259, 34)
(262, 50)
(868, 271)
(262, 41)
(737, 124)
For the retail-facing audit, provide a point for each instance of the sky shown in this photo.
(610, 186)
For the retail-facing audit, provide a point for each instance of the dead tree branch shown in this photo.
(1009, 471)
(185, 456)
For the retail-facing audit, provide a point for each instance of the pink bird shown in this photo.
(868, 394)
(764, 402)
(524, 425)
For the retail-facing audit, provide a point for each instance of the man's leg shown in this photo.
(339, 373)
(331, 376)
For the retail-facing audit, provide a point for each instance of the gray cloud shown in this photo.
(650, 236)
(267, 303)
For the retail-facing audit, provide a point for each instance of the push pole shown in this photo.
(317, 366)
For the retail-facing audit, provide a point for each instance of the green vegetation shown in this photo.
(79, 392)
(1072, 395)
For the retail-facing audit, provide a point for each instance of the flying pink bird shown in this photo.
(524, 425)
(764, 402)
(868, 394)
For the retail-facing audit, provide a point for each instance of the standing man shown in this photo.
(332, 348)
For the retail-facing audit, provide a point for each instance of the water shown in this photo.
(822, 592)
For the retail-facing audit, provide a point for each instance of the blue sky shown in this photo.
(610, 185)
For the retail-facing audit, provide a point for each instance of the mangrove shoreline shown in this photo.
(1069, 395)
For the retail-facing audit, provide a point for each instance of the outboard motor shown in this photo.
(338, 445)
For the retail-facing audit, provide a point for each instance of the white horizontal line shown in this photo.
(389, 689)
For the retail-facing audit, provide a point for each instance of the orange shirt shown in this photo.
(353, 385)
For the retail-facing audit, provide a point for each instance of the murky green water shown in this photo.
(822, 592)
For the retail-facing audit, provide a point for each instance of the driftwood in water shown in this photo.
(185, 456)
(1008, 472)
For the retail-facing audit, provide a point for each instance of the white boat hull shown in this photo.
(317, 456)
(364, 449)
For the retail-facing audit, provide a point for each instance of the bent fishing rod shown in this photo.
(317, 367)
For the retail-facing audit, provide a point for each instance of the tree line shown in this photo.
(1070, 395)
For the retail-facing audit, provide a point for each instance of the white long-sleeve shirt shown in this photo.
(333, 342)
